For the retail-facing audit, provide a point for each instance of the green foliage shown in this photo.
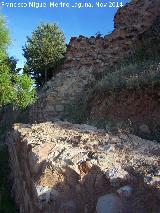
(25, 92)
(12, 63)
(139, 70)
(26, 69)
(7, 91)
(15, 89)
(43, 51)
(4, 38)
(131, 76)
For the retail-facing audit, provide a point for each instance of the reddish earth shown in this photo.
(139, 106)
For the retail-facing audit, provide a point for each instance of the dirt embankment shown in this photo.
(141, 107)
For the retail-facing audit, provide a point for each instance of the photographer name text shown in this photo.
(61, 4)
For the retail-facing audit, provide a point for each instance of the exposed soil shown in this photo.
(138, 106)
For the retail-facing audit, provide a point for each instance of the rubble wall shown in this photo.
(87, 59)
(62, 167)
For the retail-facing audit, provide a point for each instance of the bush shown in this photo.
(130, 76)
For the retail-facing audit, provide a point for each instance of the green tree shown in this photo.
(24, 90)
(25, 69)
(7, 92)
(15, 89)
(12, 63)
(4, 38)
(43, 51)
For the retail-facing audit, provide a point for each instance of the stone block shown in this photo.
(59, 108)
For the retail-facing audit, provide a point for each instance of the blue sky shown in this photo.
(73, 21)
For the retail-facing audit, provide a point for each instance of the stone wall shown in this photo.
(88, 58)
(60, 167)
(139, 105)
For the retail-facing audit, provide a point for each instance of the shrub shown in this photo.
(135, 75)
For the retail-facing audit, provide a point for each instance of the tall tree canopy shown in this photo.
(12, 63)
(16, 89)
(43, 51)
(4, 38)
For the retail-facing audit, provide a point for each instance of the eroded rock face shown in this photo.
(64, 167)
(88, 58)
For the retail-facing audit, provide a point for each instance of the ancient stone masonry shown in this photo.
(60, 167)
(87, 58)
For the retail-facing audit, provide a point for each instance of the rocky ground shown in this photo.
(64, 167)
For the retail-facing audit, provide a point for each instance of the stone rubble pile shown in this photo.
(64, 167)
